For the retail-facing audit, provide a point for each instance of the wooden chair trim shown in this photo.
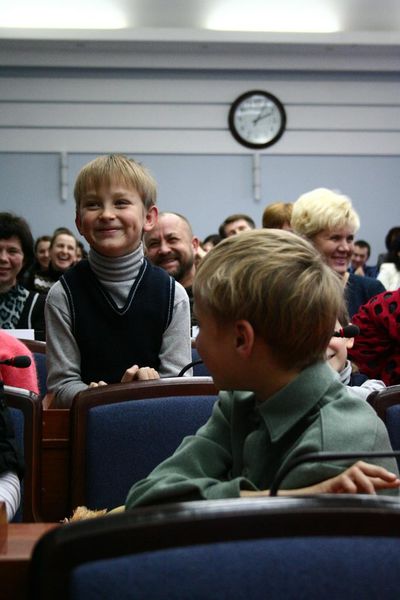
(35, 345)
(383, 399)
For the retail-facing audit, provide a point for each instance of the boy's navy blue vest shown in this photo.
(112, 339)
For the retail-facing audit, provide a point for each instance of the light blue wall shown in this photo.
(206, 188)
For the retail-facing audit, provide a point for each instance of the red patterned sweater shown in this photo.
(376, 350)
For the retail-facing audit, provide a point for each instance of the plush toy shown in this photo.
(82, 512)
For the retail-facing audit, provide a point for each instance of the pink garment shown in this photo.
(22, 378)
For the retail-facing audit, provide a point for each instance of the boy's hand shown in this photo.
(141, 373)
(94, 384)
(361, 478)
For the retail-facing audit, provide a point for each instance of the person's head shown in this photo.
(395, 252)
(329, 220)
(276, 283)
(171, 245)
(42, 251)
(235, 224)
(210, 241)
(361, 254)
(277, 216)
(391, 235)
(16, 249)
(62, 249)
(338, 347)
(80, 251)
(115, 203)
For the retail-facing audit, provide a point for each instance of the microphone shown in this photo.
(20, 362)
(189, 366)
(347, 332)
(313, 457)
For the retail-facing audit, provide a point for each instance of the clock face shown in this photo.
(257, 119)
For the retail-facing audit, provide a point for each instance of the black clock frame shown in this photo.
(231, 116)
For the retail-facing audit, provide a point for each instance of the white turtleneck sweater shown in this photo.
(117, 276)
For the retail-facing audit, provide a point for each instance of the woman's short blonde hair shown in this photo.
(323, 209)
(278, 282)
(116, 168)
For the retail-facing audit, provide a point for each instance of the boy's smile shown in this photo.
(112, 219)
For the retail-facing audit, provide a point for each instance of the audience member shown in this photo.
(11, 463)
(171, 245)
(376, 350)
(114, 317)
(42, 251)
(41, 262)
(63, 247)
(389, 273)
(277, 216)
(349, 373)
(210, 241)
(387, 256)
(267, 306)
(19, 307)
(329, 220)
(25, 378)
(235, 224)
(359, 258)
(80, 251)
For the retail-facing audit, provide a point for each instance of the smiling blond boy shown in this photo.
(114, 317)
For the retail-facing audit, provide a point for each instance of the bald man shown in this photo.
(172, 246)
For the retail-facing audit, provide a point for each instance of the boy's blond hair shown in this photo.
(278, 282)
(322, 209)
(118, 168)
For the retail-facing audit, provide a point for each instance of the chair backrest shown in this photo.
(386, 402)
(35, 346)
(38, 350)
(292, 548)
(26, 413)
(41, 370)
(121, 432)
(199, 370)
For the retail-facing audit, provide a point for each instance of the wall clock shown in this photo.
(257, 119)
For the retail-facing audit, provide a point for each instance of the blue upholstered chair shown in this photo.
(199, 370)
(26, 414)
(122, 431)
(310, 548)
(387, 404)
(38, 350)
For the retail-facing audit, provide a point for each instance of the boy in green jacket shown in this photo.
(267, 305)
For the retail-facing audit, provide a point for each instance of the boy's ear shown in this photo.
(244, 338)
(150, 218)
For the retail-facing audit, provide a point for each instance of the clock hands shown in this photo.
(264, 112)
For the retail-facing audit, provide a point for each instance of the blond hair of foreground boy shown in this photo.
(267, 306)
